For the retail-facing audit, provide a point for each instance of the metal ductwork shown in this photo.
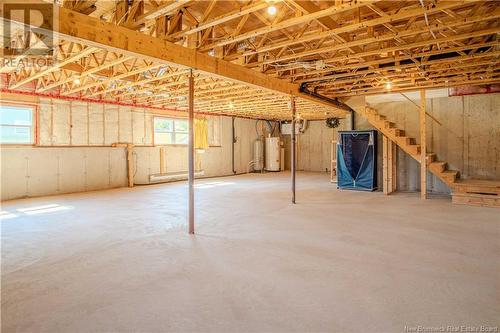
(334, 101)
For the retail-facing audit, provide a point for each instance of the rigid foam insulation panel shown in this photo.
(79, 124)
(111, 128)
(61, 115)
(148, 136)
(214, 161)
(147, 162)
(29, 172)
(45, 122)
(139, 126)
(125, 124)
(96, 124)
(78, 168)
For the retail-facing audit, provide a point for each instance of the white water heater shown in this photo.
(273, 154)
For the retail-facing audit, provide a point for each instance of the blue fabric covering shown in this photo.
(356, 160)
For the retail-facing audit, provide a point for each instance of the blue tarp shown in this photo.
(357, 160)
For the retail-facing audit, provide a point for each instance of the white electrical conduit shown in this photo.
(427, 21)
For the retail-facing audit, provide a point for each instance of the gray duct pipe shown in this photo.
(335, 102)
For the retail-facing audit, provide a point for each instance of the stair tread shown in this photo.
(479, 182)
(477, 186)
(477, 195)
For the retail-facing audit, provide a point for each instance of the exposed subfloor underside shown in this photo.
(121, 260)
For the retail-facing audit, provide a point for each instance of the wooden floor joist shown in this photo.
(139, 52)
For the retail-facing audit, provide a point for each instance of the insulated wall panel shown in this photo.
(14, 170)
(71, 166)
(138, 127)
(45, 122)
(147, 162)
(32, 171)
(176, 158)
(61, 123)
(149, 129)
(43, 172)
(117, 162)
(125, 124)
(111, 125)
(96, 124)
(79, 124)
(97, 166)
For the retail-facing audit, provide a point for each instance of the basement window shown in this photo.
(16, 124)
(170, 131)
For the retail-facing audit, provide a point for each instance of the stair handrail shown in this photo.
(418, 107)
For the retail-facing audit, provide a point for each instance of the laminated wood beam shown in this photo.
(91, 31)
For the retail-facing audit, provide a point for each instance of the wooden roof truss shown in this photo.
(339, 48)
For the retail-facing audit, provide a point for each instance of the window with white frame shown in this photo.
(16, 124)
(169, 131)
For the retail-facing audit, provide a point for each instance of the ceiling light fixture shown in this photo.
(231, 105)
(76, 81)
(388, 86)
(271, 10)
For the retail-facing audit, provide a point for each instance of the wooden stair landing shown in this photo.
(476, 192)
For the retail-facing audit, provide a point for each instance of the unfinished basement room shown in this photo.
(250, 166)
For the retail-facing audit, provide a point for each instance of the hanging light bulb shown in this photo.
(231, 105)
(76, 81)
(388, 86)
(271, 10)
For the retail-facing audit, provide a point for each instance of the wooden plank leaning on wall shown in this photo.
(423, 150)
(389, 165)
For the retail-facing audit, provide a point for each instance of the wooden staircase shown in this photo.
(409, 146)
(472, 192)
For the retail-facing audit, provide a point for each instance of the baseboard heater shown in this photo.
(172, 176)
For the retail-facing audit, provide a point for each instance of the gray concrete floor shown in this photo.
(338, 261)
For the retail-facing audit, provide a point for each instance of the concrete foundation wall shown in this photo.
(65, 161)
(314, 146)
